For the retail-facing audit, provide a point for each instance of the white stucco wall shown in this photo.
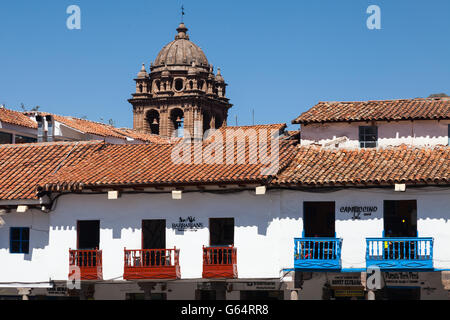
(394, 133)
(265, 227)
(433, 220)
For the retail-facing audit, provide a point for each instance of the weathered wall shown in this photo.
(394, 133)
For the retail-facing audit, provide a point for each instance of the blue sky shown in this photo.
(278, 57)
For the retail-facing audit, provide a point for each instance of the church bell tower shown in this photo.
(180, 93)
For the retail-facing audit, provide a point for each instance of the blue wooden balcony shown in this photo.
(400, 253)
(317, 254)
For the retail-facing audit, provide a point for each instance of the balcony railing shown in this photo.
(152, 264)
(220, 262)
(317, 253)
(85, 265)
(400, 253)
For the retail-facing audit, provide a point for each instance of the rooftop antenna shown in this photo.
(236, 121)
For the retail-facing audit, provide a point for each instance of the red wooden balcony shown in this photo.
(85, 265)
(152, 264)
(220, 262)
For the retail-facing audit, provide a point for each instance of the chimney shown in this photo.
(50, 128)
(40, 133)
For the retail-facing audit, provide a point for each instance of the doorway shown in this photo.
(221, 234)
(154, 238)
(262, 295)
(319, 219)
(153, 234)
(400, 218)
(88, 235)
(405, 293)
(221, 231)
(88, 238)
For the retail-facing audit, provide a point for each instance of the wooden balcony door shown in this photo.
(220, 253)
(154, 237)
(88, 257)
(319, 219)
(400, 218)
(153, 234)
(221, 231)
(88, 235)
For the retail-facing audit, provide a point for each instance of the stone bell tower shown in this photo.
(180, 91)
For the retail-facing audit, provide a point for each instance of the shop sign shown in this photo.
(401, 278)
(349, 293)
(60, 290)
(358, 212)
(187, 224)
(261, 286)
(346, 280)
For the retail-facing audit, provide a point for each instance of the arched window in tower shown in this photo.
(191, 85)
(200, 85)
(158, 85)
(179, 84)
(140, 88)
(177, 118)
(153, 121)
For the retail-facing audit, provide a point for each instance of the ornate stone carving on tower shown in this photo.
(180, 91)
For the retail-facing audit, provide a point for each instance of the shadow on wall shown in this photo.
(193, 211)
(38, 224)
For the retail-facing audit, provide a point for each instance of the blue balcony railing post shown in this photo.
(317, 253)
(400, 253)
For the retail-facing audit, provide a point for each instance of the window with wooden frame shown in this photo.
(19, 240)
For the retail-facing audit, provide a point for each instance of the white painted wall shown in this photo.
(433, 215)
(32, 267)
(394, 133)
(265, 227)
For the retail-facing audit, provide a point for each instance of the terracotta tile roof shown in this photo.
(16, 118)
(92, 127)
(75, 165)
(275, 126)
(152, 165)
(103, 130)
(405, 109)
(24, 166)
(78, 165)
(314, 166)
(146, 137)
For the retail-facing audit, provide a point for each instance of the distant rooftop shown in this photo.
(436, 108)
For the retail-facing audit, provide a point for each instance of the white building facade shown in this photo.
(264, 230)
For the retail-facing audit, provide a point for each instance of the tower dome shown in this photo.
(181, 51)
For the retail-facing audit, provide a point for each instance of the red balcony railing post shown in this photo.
(89, 263)
(220, 262)
(151, 264)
